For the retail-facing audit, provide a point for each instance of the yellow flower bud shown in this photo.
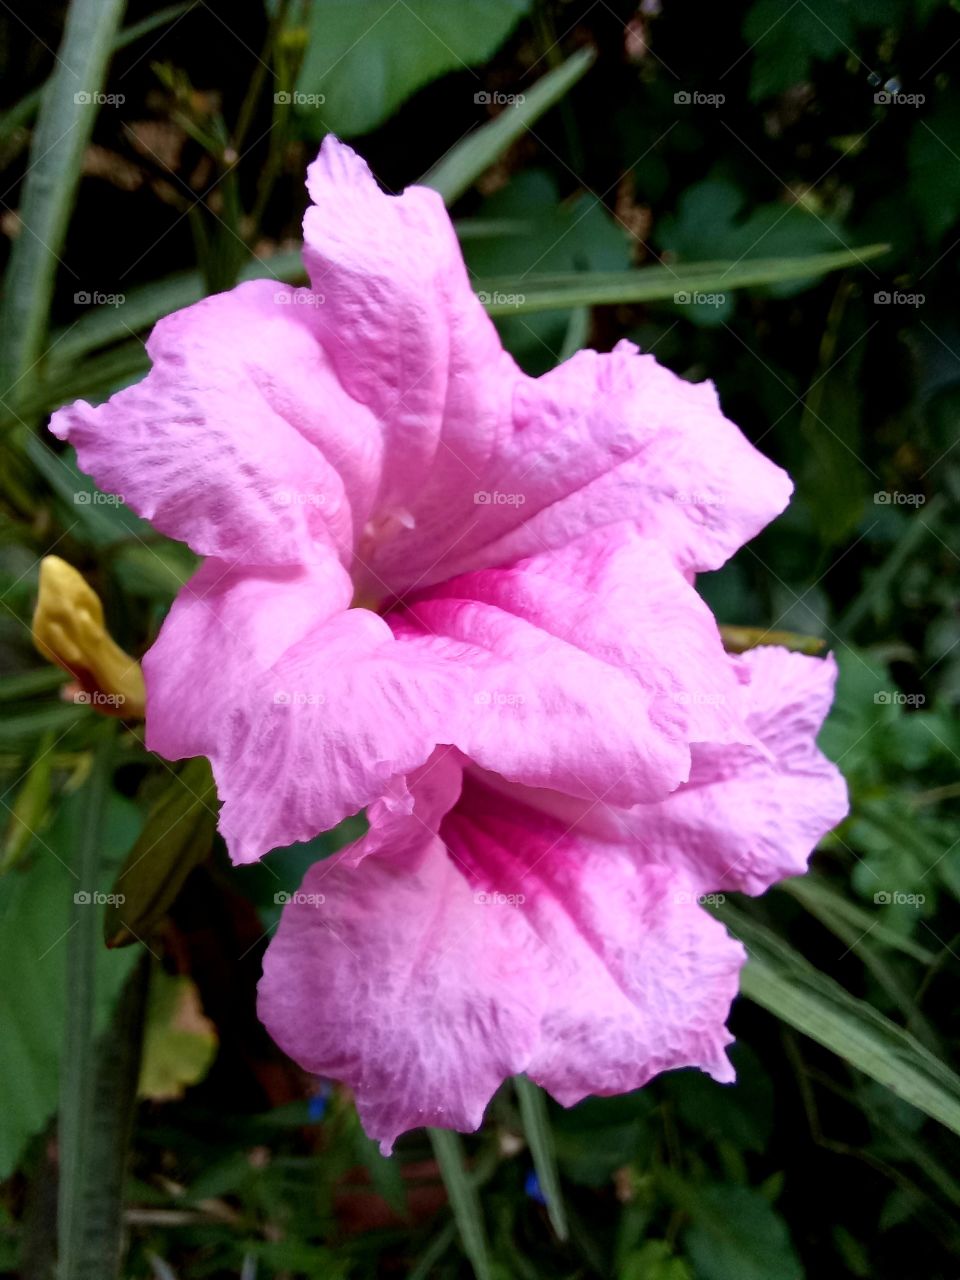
(68, 629)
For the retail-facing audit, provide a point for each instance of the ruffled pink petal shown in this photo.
(240, 441)
(387, 975)
(637, 978)
(481, 464)
(409, 338)
(749, 815)
(425, 972)
(600, 439)
(378, 413)
(588, 670)
(746, 819)
(307, 710)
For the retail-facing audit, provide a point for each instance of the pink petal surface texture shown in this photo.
(462, 599)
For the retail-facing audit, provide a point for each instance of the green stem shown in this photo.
(77, 1079)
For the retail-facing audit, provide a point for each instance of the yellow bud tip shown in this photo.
(68, 629)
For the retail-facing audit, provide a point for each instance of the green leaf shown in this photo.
(785, 40)
(102, 522)
(740, 639)
(176, 837)
(179, 1042)
(780, 980)
(509, 296)
(27, 812)
(64, 126)
(33, 961)
(460, 168)
(463, 1199)
(654, 1261)
(735, 1235)
(536, 1128)
(20, 116)
(837, 912)
(366, 57)
(143, 306)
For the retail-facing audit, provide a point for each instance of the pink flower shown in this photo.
(557, 756)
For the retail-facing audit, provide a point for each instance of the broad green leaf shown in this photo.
(464, 1200)
(735, 1233)
(460, 168)
(366, 57)
(785, 40)
(64, 126)
(38, 896)
(176, 837)
(780, 980)
(536, 1128)
(655, 1260)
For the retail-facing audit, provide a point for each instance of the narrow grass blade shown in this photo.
(460, 168)
(781, 981)
(64, 126)
(539, 1135)
(662, 283)
(463, 1200)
